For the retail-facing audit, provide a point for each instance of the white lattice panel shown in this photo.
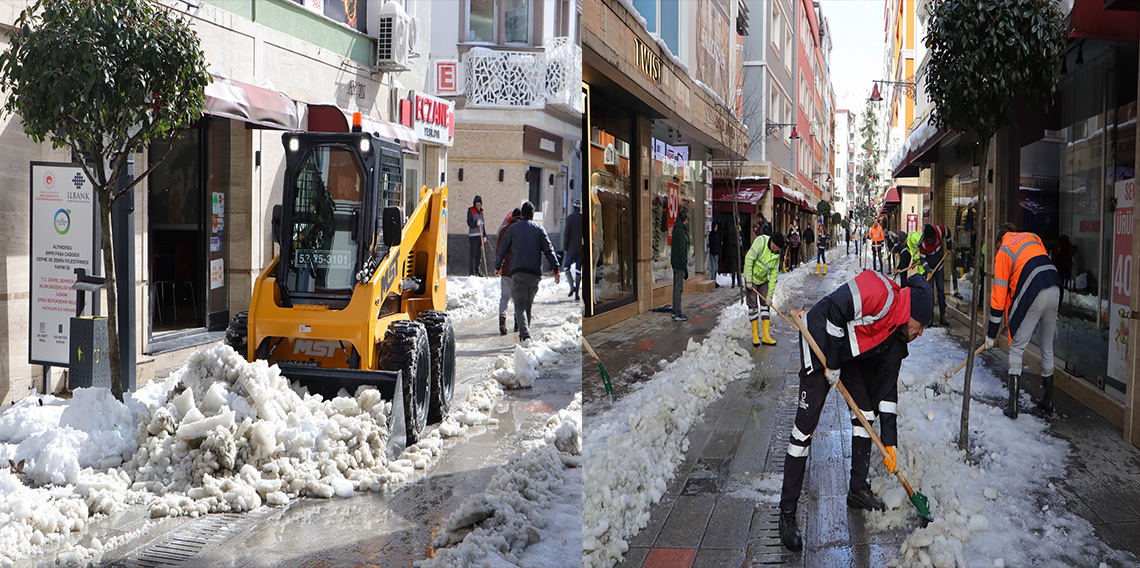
(564, 74)
(505, 79)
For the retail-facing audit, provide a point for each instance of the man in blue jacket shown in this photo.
(527, 243)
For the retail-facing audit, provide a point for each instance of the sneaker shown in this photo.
(862, 498)
(680, 317)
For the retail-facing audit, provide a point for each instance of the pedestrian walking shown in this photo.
(794, 242)
(847, 234)
(761, 265)
(732, 239)
(808, 241)
(527, 243)
(504, 274)
(679, 253)
(572, 246)
(714, 251)
(862, 328)
(476, 237)
(876, 237)
(821, 252)
(1026, 292)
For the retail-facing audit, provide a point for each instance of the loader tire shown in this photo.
(237, 334)
(405, 349)
(441, 340)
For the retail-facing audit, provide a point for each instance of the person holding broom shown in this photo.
(931, 247)
(761, 265)
(863, 328)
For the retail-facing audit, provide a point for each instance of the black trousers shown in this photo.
(877, 257)
(475, 256)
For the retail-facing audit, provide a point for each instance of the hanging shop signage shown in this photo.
(911, 222)
(446, 77)
(433, 118)
(1120, 340)
(674, 156)
(63, 239)
(542, 143)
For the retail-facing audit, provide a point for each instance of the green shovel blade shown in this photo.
(920, 503)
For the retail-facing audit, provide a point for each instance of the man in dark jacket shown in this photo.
(714, 251)
(476, 237)
(862, 328)
(572, 248)
(679, 259)
(505, 279)
(809, 240)
(527, 243)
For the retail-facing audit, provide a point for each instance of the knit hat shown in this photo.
(778, 239)
(478, 199)
(928, 233)
(921, 300)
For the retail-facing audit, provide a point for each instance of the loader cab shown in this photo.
(331, 227)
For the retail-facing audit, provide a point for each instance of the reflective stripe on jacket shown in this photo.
(761, 264)
(856, 318)
(1022, 269)
(876, 234)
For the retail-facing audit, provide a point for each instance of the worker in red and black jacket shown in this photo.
(1026, 292)
(933, 248)
(862, 328)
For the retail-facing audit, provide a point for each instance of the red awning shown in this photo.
(748, 195)
(892, 196)
(331, 118)
(262, 107)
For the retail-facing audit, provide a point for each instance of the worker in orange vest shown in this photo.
(1026, 291)
(876, 236)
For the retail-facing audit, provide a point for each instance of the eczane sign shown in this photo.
(433, 119)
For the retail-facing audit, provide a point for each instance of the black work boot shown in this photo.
(942, 316)
(862, 498)
(1014, 393)
(502, 325)
(790, 532)
(1046, 403)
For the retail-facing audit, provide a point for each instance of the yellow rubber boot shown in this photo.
(768, 333)
(756, 333)
(825, 268)
(817, 269)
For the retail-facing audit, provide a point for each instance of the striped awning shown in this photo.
(261, 107)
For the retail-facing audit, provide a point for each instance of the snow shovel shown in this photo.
(602, 368)
(918, 499)
(977, 352)
(930, 274)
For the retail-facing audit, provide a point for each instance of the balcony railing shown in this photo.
(525, 79)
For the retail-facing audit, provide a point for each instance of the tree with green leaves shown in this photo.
(984, 57)
(866, 182)
(104, 79)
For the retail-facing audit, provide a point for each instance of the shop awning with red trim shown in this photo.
(747, 197)
(925, 153)
(892, 196)
(792, 196)
(261, 107)
(331, 118)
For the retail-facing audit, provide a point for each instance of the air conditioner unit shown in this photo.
(393, 38)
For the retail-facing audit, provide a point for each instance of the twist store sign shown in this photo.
(63, 239)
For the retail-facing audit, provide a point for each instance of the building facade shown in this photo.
(202, 217)
(513, 70)
(656, 80)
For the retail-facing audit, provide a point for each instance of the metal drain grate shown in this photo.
(765, 548)
(188, 540)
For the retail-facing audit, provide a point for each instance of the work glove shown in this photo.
(990, 342)
(832, 376)
(890, 459)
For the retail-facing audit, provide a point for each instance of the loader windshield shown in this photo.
(325, 212)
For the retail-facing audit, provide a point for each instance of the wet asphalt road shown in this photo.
(368, 529)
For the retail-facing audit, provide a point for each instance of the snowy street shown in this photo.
(312, 496)
(696, 483)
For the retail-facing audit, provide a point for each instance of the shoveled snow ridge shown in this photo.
(496, 527)
(635, 448)
(544, 350)
(470, 297)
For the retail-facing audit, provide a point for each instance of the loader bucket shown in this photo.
(328, 382)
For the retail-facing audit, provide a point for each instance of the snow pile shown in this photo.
(635, 448)
(1002, 507)
(234, 436)
(532, 494)
(471, 297)
(473, 411)
(543, 350)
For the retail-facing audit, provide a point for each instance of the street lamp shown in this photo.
(771, 128)
(908, 88)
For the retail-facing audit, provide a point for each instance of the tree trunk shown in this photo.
(737, 263)
(112, 299)
(976, 301)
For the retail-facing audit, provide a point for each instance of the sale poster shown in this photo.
(1120, 338)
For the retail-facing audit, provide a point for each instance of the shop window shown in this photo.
(516, 22)
(611, 213)
(673, 189)
(481, 21)
(534, 187)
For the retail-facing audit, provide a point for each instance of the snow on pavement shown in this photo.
(470, 297)
(998, 508)
(219, 435)
(635, 448)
